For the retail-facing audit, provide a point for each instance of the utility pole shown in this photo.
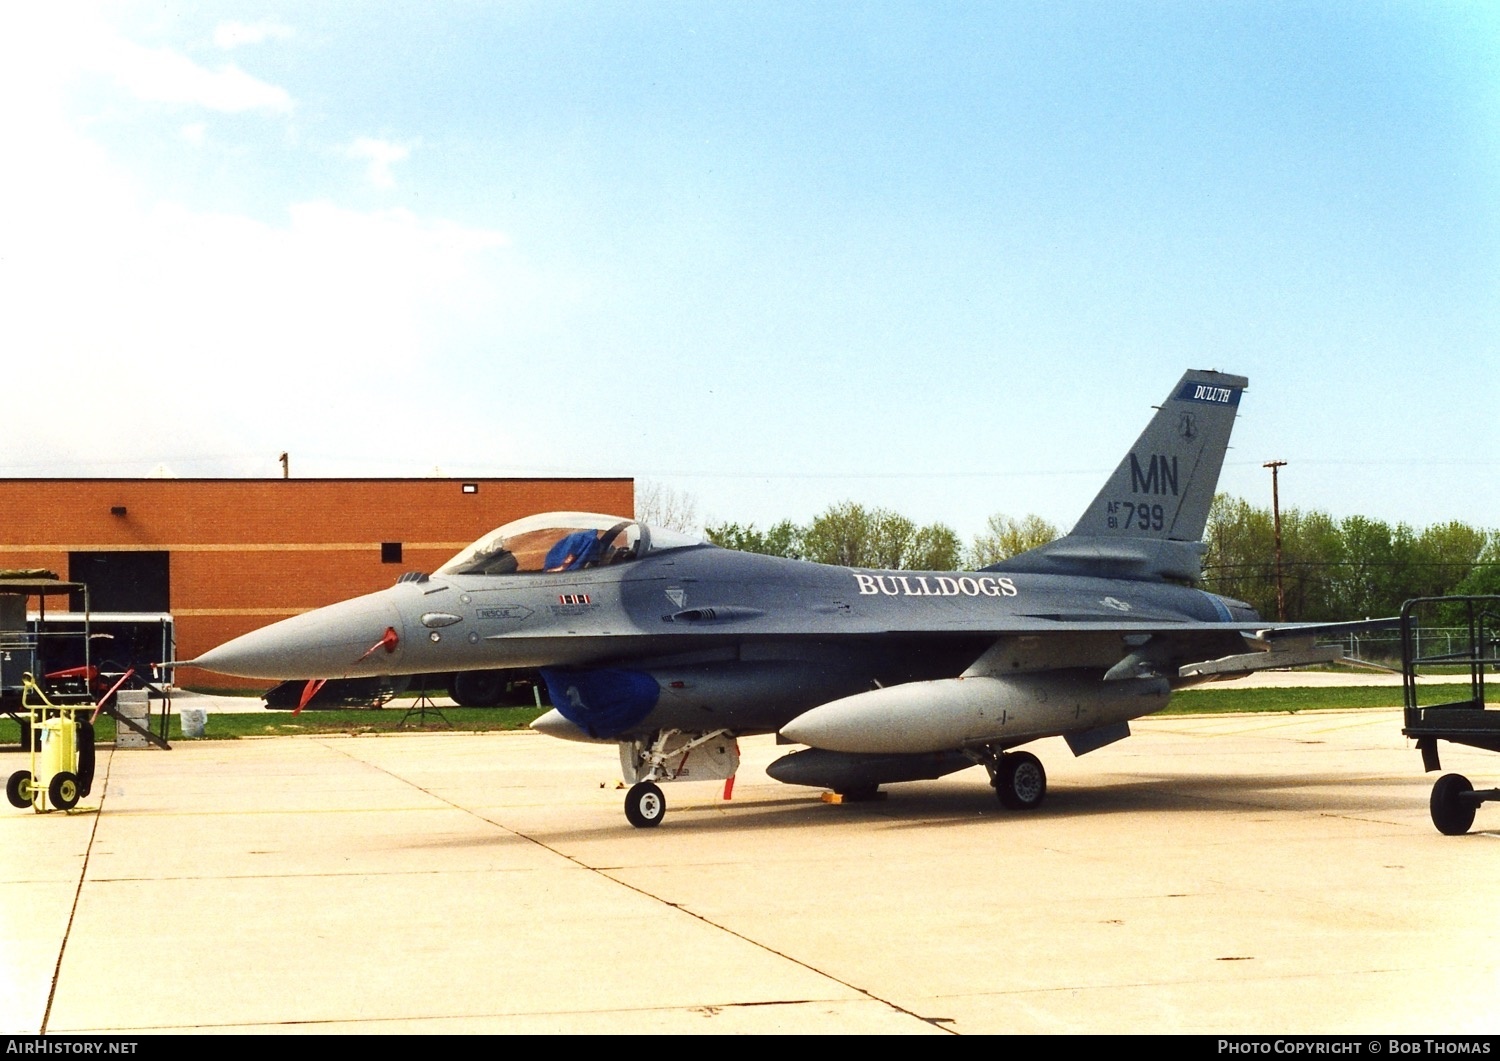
(1276, 521)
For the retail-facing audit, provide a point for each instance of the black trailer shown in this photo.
(22, 650)
(1454, 798)
(57, 653)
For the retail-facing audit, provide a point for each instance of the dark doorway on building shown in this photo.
(123, 581)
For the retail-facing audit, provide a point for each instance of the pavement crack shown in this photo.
(83, 872)
(597, 871)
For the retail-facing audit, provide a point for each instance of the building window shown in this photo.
(390, 552)
(471, 488)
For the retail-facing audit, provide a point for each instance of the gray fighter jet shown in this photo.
(672, 648)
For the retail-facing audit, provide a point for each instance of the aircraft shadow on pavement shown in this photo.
(929, 804)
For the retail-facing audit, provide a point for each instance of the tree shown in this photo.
(783, 539)
(1366, 571)
(1240, 558)
(1005, 537)
(851, 535)
(935, 548)
(1333, 569)
(1452, 552)
(1482, 580)
(1311, 546)
(845, 535)
(661, 506)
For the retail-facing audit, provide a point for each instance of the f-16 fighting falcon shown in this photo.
(672, 648)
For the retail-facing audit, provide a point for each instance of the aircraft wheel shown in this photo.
(1452, 811)
(645, 806)
(86, 758)
(19, 789)
(1020, 782)
(477, 688)
(63, 792)
(859, 793)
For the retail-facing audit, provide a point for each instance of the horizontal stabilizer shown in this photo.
(1139, 558)
(1273, 635)
(1250, 662)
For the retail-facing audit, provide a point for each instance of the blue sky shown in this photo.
(938, 257)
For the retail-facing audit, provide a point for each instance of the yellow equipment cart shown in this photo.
(62, 754)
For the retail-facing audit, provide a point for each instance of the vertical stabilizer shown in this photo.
(1148, 521)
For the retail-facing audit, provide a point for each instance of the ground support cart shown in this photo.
(1454, 799)
(61, 770)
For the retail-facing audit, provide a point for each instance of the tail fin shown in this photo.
(1148, 520)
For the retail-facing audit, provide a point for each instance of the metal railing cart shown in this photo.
(53, 660)
(1454, 799)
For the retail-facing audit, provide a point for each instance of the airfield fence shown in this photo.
(1384, 647)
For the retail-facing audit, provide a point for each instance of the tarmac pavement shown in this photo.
(1225, 874)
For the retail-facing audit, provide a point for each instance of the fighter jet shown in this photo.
(673, 648)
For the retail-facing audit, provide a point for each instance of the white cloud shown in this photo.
(172, 331)
(381, 155)
(161, 333)
(237, 34)
(160, 75)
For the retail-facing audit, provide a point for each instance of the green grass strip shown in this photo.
(1208, 700)
(353, 721)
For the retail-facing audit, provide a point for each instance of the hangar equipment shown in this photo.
(1454, 798)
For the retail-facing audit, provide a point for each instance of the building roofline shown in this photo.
(322, 479)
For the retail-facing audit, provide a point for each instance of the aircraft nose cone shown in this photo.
(325, 643)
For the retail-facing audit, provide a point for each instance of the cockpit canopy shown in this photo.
(562, 541)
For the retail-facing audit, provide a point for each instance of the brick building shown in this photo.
(225, 556)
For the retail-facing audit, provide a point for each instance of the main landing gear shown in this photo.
(1019, 780)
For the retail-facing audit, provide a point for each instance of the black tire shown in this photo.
(477, 688)
(18, 789)
(86, 758)
(645, 806)
(859, 793)
(1020, 783)
(1452, 811)
(63, 792)
(31, 739)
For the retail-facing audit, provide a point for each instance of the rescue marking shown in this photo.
(513, 611)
